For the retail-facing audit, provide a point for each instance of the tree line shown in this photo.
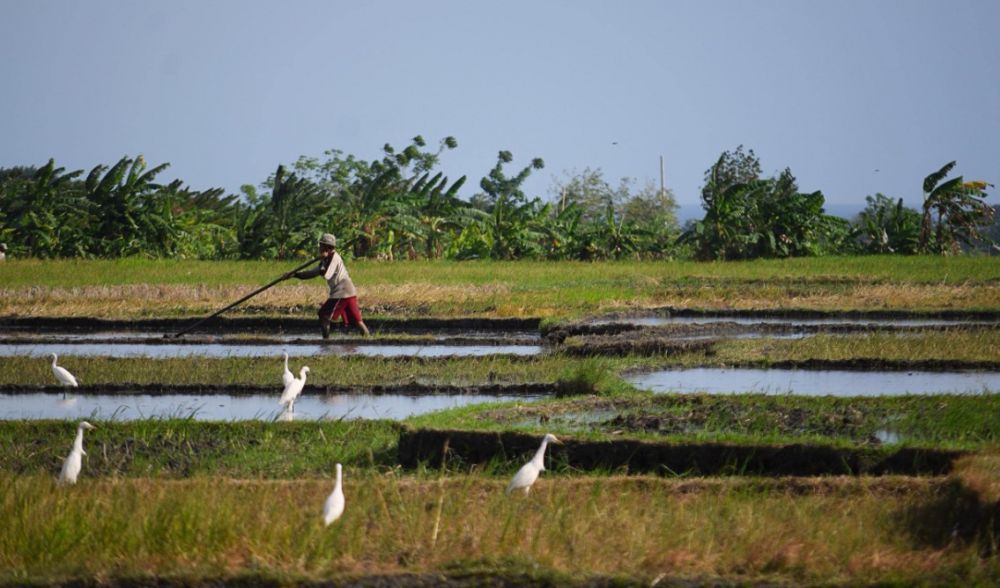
(401, 206)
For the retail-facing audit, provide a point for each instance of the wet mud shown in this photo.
(465, 449)
(642, 344)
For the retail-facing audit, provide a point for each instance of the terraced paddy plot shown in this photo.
(221, 407)
(816, 382)
(654, 321)
(168, 349)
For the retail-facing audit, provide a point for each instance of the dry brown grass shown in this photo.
(828, 530)
(496, 299)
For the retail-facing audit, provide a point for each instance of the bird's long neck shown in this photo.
(302, 376)
(336, 486)
(54, 358)
(539, 459)
(286, 362)
(78, 442)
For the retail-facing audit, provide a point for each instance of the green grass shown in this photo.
(844, 531)
(946, 421)
(172, 448)
(135, 287)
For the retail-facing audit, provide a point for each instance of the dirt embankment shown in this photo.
(466, 448)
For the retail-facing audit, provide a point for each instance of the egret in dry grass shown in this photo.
(71, 467)
(528, 473)
(293, 389)
(287, 376)
(334, 506)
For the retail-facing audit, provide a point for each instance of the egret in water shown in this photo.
(288, 376)
(528, 473)
(71, 467)
(334, 506)
(293, 389)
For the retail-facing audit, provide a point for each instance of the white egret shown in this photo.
(334, 506)
(62, 374)
(287, 376)
(71, 467)
(293, 389)
(528, 473)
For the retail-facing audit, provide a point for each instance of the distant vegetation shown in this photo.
(403, 207)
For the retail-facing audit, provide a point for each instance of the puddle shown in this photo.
(816, 382)
(887, 437)
(230, 408)
(81, 349)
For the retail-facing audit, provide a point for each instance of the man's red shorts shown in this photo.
(344, 308)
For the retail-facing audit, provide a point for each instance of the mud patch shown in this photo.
(464, 449)
(617, 346)
(266, 324)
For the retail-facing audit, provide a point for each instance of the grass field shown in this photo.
(180, 501)
(148, 288)
(830, 530)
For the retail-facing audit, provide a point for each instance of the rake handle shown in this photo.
(244, 299)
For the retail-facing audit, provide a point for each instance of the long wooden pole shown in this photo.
(241, 300)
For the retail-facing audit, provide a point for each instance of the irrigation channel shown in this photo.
(443, 338)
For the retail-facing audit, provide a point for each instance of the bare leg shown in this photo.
(363, 328)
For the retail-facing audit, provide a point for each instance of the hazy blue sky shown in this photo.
(855, 96)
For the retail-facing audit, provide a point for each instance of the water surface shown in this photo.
(83, 349)
(816, 382)
(229, 408)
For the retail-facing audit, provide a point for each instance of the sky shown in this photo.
(855, 97)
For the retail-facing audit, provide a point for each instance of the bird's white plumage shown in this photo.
(62, 374)
(334, 506)
(287, 376)
(293, 389)
(528, 473)
(74, 461)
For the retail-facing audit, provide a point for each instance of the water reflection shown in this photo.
(817, 382)
(223, 350)
(227, 408)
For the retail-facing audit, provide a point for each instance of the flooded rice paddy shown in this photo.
(816, 382)
(166, 349)
(230, 408)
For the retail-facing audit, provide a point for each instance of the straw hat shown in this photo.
(328, 239)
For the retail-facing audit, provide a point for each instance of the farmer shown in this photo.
(343, 299)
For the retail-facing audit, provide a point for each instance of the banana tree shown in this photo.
(959, 208)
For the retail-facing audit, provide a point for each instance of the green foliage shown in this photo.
(886, 226)
(959, 208)
(747, 217)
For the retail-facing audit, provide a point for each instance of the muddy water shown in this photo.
(83, 349)
(816, 382)
(228, 408)
(786, 321)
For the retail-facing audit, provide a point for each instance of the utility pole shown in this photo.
(663, 190)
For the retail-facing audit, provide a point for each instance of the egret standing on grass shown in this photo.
(528, 473)
(293, 389)
(62, 374)
(334, 506)
(288, 376)
(71, 467)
